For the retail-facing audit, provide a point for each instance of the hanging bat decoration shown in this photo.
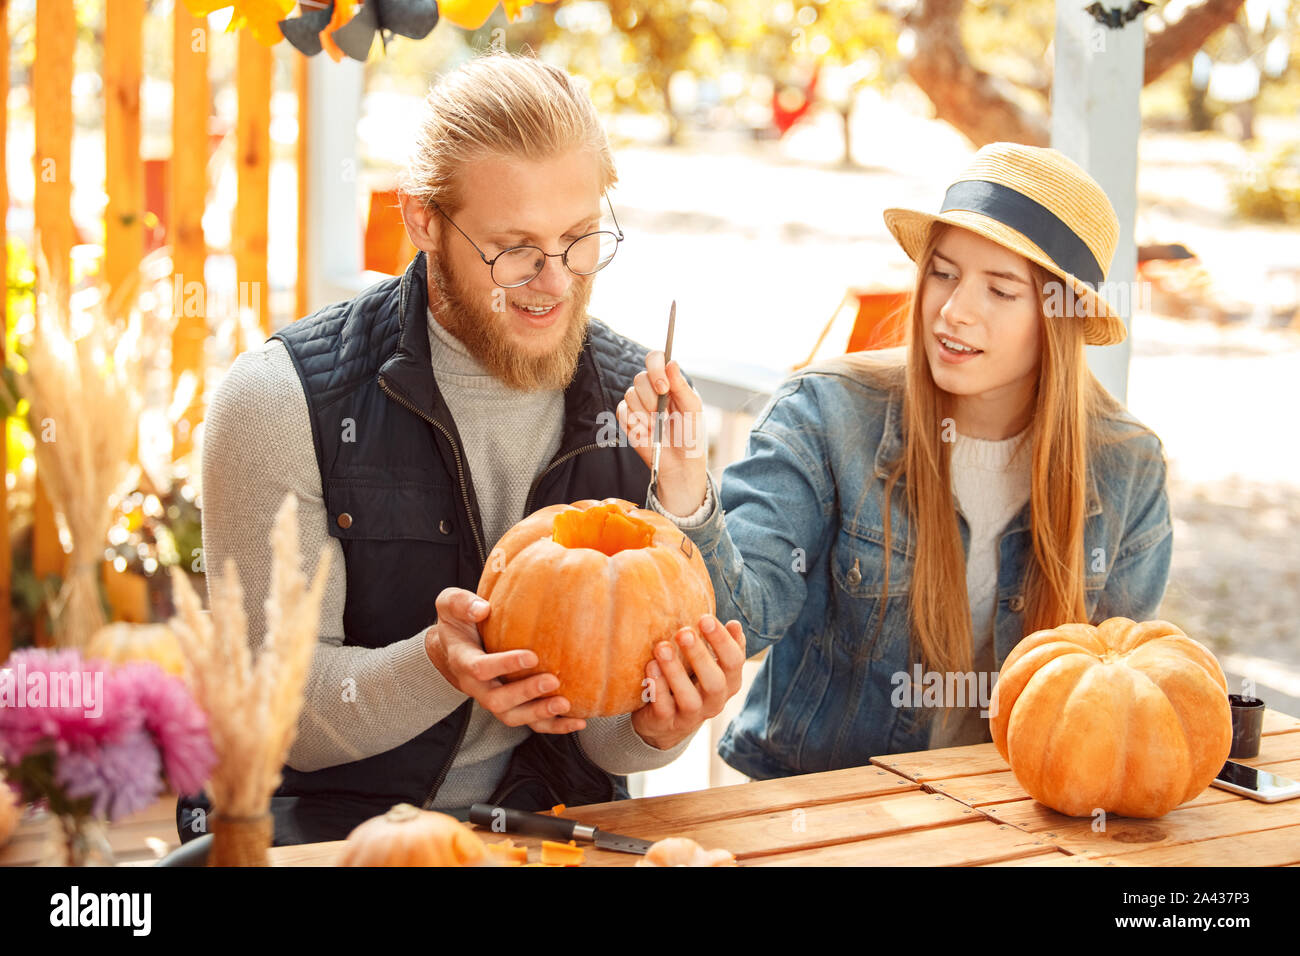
(1114, 17)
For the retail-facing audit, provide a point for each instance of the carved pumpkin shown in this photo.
(409, 836)
(591, 588)
(1123, 717)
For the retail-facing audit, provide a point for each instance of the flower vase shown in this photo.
(240, 841)
(77, 841)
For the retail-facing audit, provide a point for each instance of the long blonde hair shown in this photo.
(1065, 437)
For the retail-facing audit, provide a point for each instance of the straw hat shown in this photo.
(1038, 203)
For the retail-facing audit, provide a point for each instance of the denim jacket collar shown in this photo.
(891, 446)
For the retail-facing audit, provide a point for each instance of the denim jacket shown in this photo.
(795, 553)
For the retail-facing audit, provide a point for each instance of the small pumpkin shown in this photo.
(591, 587)
(409, 836)
(1123, 717)
(682, 851)
(121, 643)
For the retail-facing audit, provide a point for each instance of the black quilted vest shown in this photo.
(402, 503)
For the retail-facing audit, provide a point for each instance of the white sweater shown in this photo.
(991, 482)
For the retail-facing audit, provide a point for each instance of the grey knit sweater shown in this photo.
(362, 701)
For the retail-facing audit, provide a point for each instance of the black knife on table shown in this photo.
(507, 820)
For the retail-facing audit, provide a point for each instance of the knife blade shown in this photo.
(509, 820)
(660, 407)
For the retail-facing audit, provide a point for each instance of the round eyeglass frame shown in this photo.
(562, 256)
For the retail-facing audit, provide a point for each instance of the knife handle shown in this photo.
(507, 820)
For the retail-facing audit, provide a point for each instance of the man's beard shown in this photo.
(482, 332)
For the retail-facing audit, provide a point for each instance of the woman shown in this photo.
(901, 522)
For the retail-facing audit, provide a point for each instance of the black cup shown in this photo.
(1247, 722)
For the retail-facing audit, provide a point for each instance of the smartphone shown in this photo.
(1256, 784)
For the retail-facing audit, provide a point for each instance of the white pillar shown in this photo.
(1096, 121)
(333, 235)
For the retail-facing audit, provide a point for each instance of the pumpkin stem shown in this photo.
(604, 528)
(402, 813)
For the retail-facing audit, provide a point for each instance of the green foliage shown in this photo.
(1271, 190)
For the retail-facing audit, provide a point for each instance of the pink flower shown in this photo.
(177, 723)
(54, 695)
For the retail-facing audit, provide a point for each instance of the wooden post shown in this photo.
(253, 180)
(333, 240)
(6, 554)
(124, 168)
(186, 199)
(300, 82)
(1096, 121)
(56, 35)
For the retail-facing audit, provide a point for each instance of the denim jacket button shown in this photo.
(854, 576)
(1016, 604)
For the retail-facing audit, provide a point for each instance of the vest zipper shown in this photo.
(446, 766)
(528, 502)
(460, 468)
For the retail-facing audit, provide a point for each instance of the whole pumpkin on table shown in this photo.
(591, 587)
(1128, 718)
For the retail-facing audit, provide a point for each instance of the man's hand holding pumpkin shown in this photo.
(454, 647)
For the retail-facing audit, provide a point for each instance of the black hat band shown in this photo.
(1030, 218)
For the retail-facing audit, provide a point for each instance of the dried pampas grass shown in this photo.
(80, 379)
(252, 703)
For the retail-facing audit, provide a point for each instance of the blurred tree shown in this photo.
(985, 105)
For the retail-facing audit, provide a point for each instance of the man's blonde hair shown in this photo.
(500, 104)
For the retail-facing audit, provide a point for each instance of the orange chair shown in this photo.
(879, 321)
(388, 248)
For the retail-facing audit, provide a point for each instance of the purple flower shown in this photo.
(120, 777)
(56, 696)
(176, 722)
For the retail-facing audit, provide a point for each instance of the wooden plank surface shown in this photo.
(765, 833)
(1279, 847)
(1057, 859)
(701, 806)
(925, 765)
(1029, 814)
(975, 843)
(1276, 722)
(1274, 748)
(821, 825)
(983, 789)
(1187, 824)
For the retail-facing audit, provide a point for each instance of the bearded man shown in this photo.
(417, 423)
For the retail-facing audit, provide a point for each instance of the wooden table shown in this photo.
(955, 807)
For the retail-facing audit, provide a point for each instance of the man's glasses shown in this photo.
(520, 265)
